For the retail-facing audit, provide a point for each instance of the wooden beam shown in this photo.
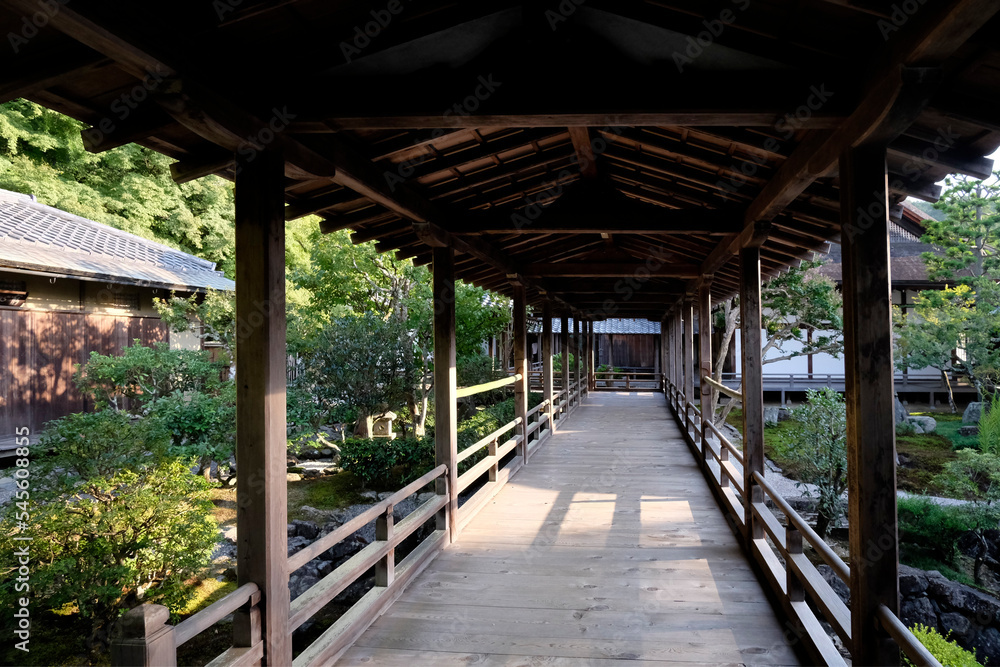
(869, 392)
(547, 377)
(522, 366)
(211, 162)
(445, 387)
(914, 188)
(638, 219)
(137, 126)
(753, 387)
(952, 159)
(48, 69)
(705, 361)
(261, 496)
(639, 270)
(580, 136)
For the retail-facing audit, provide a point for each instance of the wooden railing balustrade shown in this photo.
(787, 569)
(633, 381)
(148, 640)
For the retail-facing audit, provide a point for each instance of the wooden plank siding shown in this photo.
(608, 550)
(39, 351)
(627, 350)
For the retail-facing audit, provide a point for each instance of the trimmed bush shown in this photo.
(947, 651)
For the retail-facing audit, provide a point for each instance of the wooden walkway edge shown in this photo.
(607, 549)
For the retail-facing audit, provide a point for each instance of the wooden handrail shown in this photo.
(910, 645)
(462, 392)
(191, 627)
(721, 387)
(735, 453)
(300, 558)
(487, 439)
(821, 547)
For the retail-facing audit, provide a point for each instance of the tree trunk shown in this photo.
(363, 427)
(822, 524)
(951, 394)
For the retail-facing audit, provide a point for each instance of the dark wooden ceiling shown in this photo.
(610, 156)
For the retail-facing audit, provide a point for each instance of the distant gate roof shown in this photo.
(38, 238)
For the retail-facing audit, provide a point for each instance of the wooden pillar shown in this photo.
(547, 363)
(665, 366)
(753, 386)
(588, 361)
(564, 349)
(871, 433)
(688, 352)
(578, 353)
(521, 367)
(261, 442)
(705, 361)
(445, 387)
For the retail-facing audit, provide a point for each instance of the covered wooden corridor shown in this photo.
(607, 550)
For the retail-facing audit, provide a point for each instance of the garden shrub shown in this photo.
(928, 525)
(201, 425)
(905, 428)
(114, 521)
(989, 426)
(143, 374)
(821, 452)
(946, 650)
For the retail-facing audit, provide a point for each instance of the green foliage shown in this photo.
(129, 187)
(114, 521)
(796, 302)
(361, 361)
(302, 410)
(201, 425)
(473, 369)
(821, 452)
(143, 374)
(375, 460)
(210, 316)
(946, 650)
(557, 363)
(970, 232)
(989, 426)
(926, 525)
(905, 428)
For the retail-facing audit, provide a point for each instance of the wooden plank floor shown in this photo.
(607, 549)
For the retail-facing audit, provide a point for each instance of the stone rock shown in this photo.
(842, 590)
(955, 623)
(771, 416)
(317, 516)
(293, 477)
(370, 495)
(424, 497)
(344, 549)
(973, 413)
(331, 471)
(292, 530)
(229, 534)
(291, 462)
(326, 452)
(900, 411)
(923, 424)
(296, 544)
(917, 610)
(306, 529)
(312, 473)
(968, 430)
(986, 643)
(911, 580)
(784, 414)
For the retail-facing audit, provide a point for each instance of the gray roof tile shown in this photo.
(40, 238)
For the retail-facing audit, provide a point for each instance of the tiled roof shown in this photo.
(611, 326)
(35, 237)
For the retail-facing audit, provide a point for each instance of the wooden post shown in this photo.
(753, 387)
(578, 350)
(664, 354)
(385, 569)
(564, 345)
(591, 356)
(688, 360)
(705, 362)
(588, 368)
(445, 388)
(146, 639)
(521, 366)
(871, 433)
(261, 439)
(547, 363)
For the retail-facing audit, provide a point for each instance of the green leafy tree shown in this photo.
(211, 317)
(144, 374)
(129, 188)
(802, 314)
(821, 452)
(114, 521)
(362, 361)
(967, 239)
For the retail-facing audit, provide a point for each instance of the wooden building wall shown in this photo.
(627, 350)
(38, 351)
